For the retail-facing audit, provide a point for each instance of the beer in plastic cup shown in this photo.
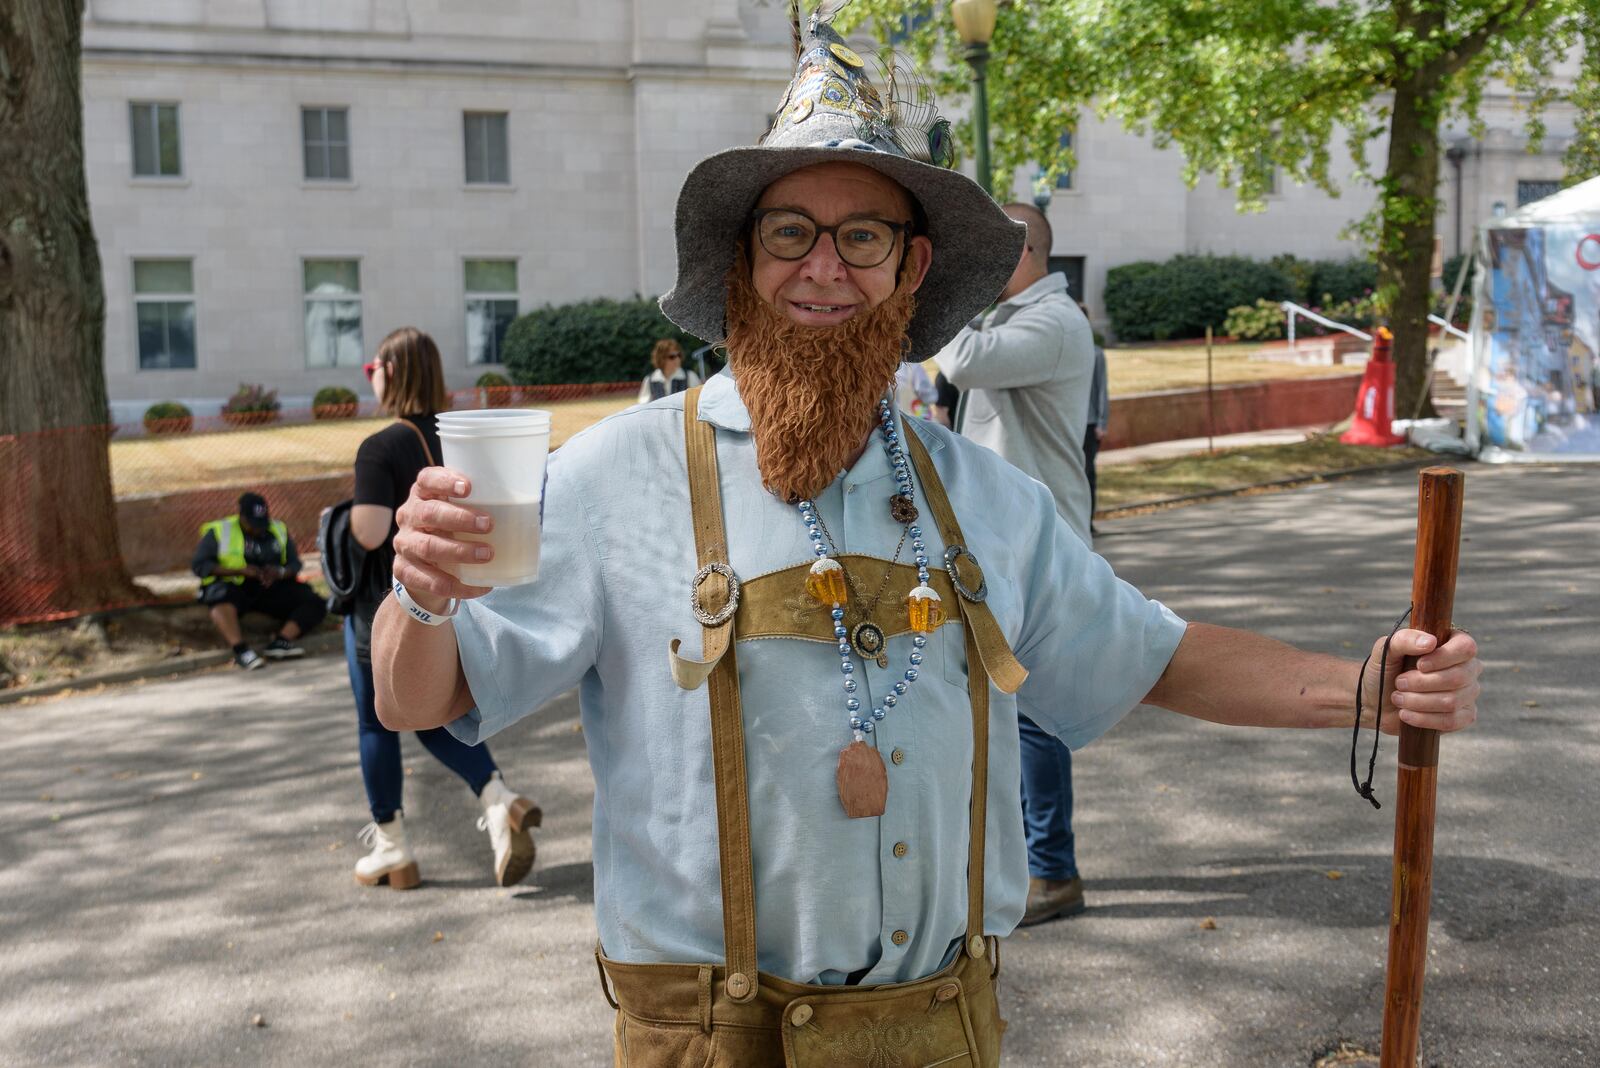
(502, 451)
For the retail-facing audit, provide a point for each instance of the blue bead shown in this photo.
(922, 561)
(919, 640)
(838, 614)
(855, 723)
(899, 687)
(847, 667)
(911, 674)
(844, 648)
(820, 551)
(805, 506)
(916, 659)
(815, 535)
(839, 632)
(889, 700)
(916, 532)
(866, 727)
(878, 714)
(852, 704)
(810, 519)
(849, 685)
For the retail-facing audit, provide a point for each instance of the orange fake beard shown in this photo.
(812, 391)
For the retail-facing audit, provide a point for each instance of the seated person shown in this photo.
(247, 563)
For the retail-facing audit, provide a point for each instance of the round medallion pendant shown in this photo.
(868, 640)
(901, 509)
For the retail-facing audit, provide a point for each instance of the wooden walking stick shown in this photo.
(1433, 590)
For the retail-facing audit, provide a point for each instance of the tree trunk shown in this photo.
(58, 536)
(1410, 205)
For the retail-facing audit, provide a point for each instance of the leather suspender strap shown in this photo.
(993, 649)
(715, 594)
(978, 820)
(426, 452)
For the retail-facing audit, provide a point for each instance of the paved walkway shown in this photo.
(175, 858)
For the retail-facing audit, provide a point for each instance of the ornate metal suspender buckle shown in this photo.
(725, 613)
(952, 556)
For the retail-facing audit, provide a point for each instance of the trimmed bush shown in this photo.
(1326, 281)
(494, 390)
(1180, 298)
(600, 340)
(251, 405)
(334, 402)
(168, 417)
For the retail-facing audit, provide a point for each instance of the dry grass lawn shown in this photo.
(1123, 485)
(226, 458)
(1145, 369)
(156, 465)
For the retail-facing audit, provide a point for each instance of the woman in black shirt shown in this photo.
(408, 380)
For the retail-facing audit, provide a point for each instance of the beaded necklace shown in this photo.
(863, 780)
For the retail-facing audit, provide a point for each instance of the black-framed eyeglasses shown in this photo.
(791, 235)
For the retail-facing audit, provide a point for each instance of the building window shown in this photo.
(1072, 267)
(491, 306)
(333, 313)
(155, 140)
(1271, 174)
(163, 301)
(487, 158)
(1528, 192)
(1064, 179)
(325, 134)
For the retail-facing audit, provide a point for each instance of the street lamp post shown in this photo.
(975, 24)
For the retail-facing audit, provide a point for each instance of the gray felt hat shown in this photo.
(831, 113)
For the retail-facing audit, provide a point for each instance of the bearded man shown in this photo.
(808, 838)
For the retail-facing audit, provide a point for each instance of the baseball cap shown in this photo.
(253, 510)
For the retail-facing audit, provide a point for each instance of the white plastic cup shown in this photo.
(503, 452)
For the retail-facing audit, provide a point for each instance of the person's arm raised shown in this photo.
(416, 669)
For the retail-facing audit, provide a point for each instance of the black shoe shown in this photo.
(249, 660)
(281, 648)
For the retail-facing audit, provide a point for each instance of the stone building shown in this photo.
(276, 184)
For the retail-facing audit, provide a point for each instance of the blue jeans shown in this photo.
(380, 746)
(1047, 803)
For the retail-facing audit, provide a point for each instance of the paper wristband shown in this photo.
(421, 614)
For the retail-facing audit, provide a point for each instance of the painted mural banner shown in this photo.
(1535, 386)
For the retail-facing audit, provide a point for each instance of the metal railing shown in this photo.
(1293, 309)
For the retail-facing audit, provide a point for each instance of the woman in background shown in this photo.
(669, 377)
(408, 381)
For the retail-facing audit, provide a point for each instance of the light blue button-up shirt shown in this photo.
(612, 593)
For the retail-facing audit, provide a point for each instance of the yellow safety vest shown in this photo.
(229, 533)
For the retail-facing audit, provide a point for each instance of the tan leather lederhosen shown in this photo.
(731, 1015)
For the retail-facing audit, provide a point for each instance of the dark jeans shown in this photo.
(1047, 803)
(380, 746)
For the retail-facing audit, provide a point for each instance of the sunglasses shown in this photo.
(370, 369)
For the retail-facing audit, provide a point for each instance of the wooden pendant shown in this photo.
(863, 781)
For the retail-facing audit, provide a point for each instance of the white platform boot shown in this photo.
(390, 858)
(507, 816)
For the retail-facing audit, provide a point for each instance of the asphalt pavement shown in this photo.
(175, 857)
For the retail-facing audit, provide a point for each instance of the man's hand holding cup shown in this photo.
(427, 551)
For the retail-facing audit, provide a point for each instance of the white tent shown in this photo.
(1535, 387)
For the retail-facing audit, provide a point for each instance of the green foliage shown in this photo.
(1441, 299)
(168, 417)
(1261, 321)
(1327, 281)
(251, 398)
(1583, 153)
(1183, 296)
(334, 402)
(601, 340)
(491, 380)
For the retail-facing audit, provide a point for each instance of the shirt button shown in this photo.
(898, 756)
(901, 849)
(899, 938)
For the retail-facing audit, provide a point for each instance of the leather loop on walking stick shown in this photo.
(716, 595)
